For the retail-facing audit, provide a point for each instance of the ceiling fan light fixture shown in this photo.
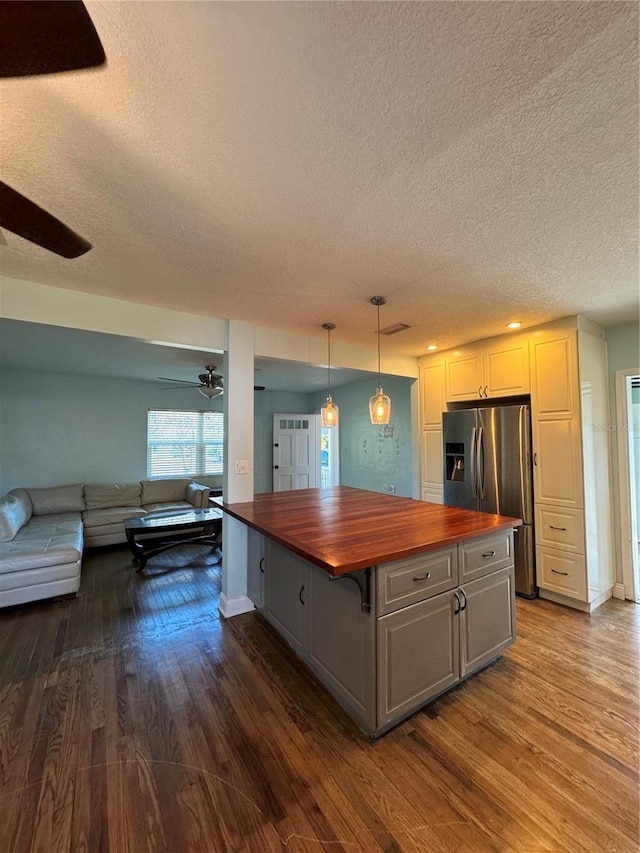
(380, 403)
(329, 413)
(210, 393)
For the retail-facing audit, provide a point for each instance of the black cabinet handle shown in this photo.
(557, 528)
(300, 594)
(535, 459)
(556, 572)
(464, 606)
(489, 554)
(457, 598)
(276, 466)
(261, 565)
(422, 577)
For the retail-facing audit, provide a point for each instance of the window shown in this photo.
(184, 444)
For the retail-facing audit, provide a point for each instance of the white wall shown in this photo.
(59, 428)
(623, 351)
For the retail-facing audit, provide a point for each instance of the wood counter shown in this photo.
(342, 529)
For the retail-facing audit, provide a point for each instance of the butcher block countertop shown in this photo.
(342, 529)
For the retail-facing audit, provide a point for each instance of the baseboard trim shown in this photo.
(619, 591)
(229, 607)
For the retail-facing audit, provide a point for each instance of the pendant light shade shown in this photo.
(329, 412)
(379, 404)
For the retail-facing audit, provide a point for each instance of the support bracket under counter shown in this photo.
(363, 580)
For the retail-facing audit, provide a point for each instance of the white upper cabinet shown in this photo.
(433, 396)
(497, 368)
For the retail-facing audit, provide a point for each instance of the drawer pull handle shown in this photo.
(556, 572)
(558, 528)
(300, 594)
(464, 605)
(261, 565)
(489, 554)
(422, 577)
(457, 598)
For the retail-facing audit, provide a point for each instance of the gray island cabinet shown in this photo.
(388, 638)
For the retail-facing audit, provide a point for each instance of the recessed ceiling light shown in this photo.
(431, 347)
(515, 325)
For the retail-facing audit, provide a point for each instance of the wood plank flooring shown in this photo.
(134, 719)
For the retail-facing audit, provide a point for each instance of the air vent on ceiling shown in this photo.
(393, 330)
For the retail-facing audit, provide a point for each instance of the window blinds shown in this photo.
(184, 444)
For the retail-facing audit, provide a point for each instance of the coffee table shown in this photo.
(157, 532)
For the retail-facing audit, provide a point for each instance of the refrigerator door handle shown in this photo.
(524, 470)
(472, 454)
(480, 464)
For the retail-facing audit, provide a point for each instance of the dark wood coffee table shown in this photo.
(157, 532)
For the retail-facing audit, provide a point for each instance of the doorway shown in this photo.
(305, 454)
(628, 438)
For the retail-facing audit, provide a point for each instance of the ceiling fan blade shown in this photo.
(47, 38)
(183, 381)
(25, 218)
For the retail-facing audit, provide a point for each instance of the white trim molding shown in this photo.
(229, 607)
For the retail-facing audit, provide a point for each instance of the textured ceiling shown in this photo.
(284, 162)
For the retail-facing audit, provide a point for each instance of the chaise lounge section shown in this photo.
(43, 532)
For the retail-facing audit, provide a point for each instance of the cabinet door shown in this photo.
(432, 393)
(418, 656)
(553, 377)
(464, 377)
(432, 459)
(341, 642)
(557, 468)
(506, 370)
(487, 619)
(285, 594)
(255, 568)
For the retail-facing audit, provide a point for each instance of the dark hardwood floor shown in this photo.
(134, 719)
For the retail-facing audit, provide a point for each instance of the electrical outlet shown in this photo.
(242, 466)
(390, 489)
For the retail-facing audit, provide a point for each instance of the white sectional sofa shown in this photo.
(43, 531)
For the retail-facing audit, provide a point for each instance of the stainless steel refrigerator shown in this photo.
(487, 467)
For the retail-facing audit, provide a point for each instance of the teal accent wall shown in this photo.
(367, 459)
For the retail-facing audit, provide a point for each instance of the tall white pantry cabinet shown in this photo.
(563, 365)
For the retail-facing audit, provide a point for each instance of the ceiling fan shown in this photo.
(44, 38)
(211, 384)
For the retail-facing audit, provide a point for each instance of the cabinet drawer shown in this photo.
(478, 557)
(562, 572)
(413, 579)
(560, 528)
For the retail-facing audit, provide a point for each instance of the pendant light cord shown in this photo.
(329, 360)
(378, 306)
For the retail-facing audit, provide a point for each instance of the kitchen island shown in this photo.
(390, 601)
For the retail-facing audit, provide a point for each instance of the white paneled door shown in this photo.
(296, 456)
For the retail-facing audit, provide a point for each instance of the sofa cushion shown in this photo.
(39, 545)
(118, 495)
(168, 506)
(57, 499)
(164, 491)
(15, 511)
(110, 515)
(40, 526)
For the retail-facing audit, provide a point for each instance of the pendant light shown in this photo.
(379, 404)
(329, 412)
